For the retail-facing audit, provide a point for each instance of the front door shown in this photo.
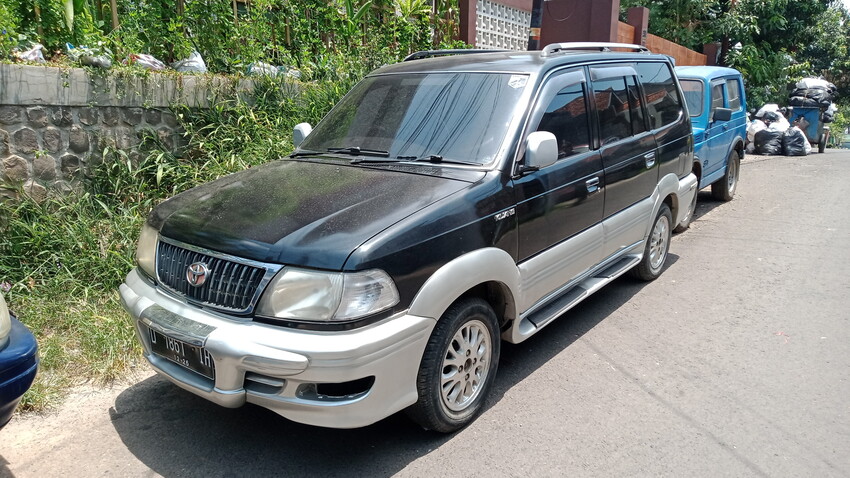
(559, 207)
(718, 134)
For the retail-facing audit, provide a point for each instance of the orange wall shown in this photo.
(683, 56)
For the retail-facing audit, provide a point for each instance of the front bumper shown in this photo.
(285, 369)
(18, 366)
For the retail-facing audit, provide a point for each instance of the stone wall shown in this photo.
(56, 123)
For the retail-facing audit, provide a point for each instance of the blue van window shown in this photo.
(716, 96)
(733, 87)
(693, 90)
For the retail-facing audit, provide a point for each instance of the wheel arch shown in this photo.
(488, 273)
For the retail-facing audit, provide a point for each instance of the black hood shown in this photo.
(305, 213)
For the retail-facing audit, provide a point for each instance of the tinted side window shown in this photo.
(612, 104)
(566, 118)
(663, 103)
(733, 87)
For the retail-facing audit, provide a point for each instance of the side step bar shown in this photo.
(571, 297)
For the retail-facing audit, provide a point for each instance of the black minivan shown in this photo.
(447, 203)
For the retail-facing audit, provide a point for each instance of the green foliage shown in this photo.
(770, 41)
(8, 29)
(316, 36)
(839, 126)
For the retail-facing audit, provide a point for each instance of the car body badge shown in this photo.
(197, 273)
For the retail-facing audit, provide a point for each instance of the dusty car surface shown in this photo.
(444, 205)
(717, 105)
(18, 362)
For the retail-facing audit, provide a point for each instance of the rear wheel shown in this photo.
(724, 189)
(657, 246)
(458, 367)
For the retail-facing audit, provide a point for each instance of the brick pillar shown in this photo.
(712, 53)
(638, 17)
(580, 20)
(467, 20)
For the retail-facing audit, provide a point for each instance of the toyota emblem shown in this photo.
(197, 274)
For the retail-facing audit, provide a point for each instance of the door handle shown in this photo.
(592, 185)
(649, 158)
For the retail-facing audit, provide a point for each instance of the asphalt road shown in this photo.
(736, 362)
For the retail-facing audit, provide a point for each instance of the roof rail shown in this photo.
(601, 46)
(433, 53)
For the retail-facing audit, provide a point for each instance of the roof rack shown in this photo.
(600, 46)
(433, 53)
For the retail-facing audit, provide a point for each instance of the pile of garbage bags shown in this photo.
(829, 113)
(813, 92)
(770, 133)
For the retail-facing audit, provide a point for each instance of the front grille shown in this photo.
(230, 285)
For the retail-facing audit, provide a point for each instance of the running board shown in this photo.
(569, 299)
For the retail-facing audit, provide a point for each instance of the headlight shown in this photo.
(299, 294)
(5, 322)
(146, 250)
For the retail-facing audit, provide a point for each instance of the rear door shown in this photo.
(629, 155)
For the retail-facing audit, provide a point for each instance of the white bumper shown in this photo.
(278, 368)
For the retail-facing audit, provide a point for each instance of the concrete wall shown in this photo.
(55, 122)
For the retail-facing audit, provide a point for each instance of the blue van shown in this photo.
(718, 108)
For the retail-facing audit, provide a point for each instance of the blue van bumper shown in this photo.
(18, 365)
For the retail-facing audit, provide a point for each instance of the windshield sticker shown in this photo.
(518, 81)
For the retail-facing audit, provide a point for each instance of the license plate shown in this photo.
(196, 359)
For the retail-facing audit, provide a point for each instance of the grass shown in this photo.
(62, 260)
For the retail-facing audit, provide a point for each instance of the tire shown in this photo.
(689, 215)
(822, 143)
(724, 189)
(657, 247)
(458, 367)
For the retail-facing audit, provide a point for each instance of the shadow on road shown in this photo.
(706, 203)
(178, 434)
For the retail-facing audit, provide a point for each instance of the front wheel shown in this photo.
(458, 367)
(724, 189)
(657, 246)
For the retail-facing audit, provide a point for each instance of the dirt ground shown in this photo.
(735, 362)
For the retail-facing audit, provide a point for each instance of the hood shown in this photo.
(305, 213)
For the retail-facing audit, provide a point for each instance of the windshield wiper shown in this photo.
(436, 159)
(305, 152)
(358, 151)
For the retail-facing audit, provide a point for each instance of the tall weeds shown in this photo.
(62, 259)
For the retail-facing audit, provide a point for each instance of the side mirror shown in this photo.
(541, 150)
(722, 114)
(300, 132)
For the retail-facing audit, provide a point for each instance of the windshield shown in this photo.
(456, 116)
(693, 90)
